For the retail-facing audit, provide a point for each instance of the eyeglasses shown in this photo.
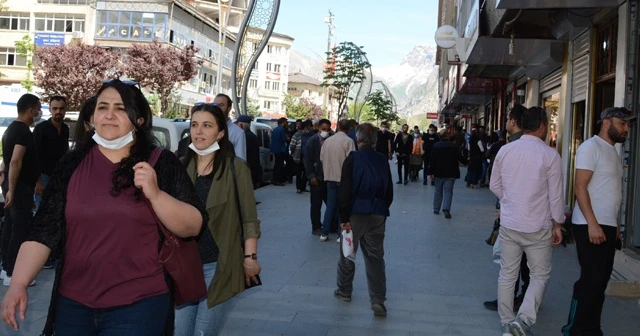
(125, 82)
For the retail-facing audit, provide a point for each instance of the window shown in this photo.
(253, 83)
(136, 26)
(267, 85)
(278, 50)
(9, 57)
(63, 23)
(267, 104)
(64, 2)
(269, 49)
(269, 67)
(276, 86)
(14, 21)
(276, 68)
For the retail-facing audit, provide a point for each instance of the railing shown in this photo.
(66, 2)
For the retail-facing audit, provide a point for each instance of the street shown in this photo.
(439, 272)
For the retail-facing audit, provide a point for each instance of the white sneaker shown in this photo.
(3, 274)
(506, 331)
(7, 282)
(324, 238)
(338, 240)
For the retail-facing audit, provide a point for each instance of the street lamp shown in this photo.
(223, 17)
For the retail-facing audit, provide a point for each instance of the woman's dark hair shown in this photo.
(226, 149)
(84, 119)
(137, 108)
(494, 138)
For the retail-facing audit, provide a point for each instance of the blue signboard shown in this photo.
(48, 40)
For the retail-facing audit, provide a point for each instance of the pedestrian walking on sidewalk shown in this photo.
(97, 214)
(403, 146)
(223, 183)
(445, 163)
(428, 140)
(366, 193)
(313, 169)
(598, 189)
(296, 147)
(279, 149)
(332, 155)
(527, 178)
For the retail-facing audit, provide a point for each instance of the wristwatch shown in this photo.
(253, 256)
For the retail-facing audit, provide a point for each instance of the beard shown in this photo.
(58, 118)
(616, 136)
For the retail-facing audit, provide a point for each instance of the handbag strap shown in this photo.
(153, 159)
(237, 193)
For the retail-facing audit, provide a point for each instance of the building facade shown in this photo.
(119, 24)
(572, 57)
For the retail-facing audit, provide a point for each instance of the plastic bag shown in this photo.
(348, 249)
(497, 248)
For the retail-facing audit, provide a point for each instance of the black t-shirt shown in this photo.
(18, 133)
(209, 251)
(382, 145)
(51, 145)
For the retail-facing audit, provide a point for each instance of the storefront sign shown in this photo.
(446, 37)
(48, 40)
(432, 115)
(273, 76)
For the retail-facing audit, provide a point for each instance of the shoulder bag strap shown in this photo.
(237, 194)
(153, 159)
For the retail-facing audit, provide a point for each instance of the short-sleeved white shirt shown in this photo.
(605, 187)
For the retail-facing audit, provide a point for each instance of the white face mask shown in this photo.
(203, 152)
(38, 116)
(114, 144)
(324, 134)
(384, 129)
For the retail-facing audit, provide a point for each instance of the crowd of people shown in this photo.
(106, 207)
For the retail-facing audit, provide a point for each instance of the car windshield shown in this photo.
(6, 121)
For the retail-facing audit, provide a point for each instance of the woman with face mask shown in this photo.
(98, 216)
(229, 242)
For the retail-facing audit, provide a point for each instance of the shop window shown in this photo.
(132, 26)
(607, 44)
(550, 102)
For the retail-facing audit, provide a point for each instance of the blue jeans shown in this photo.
(444, 189)
(195, 319)
(146, 317)
(331, 213)
(38, 198)
(485, 167)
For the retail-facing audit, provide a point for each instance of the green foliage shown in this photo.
(301, 108)
(366, 114)
(253, 109)
(26, 48)
(345, 68)
(381, 107)
(153, 100)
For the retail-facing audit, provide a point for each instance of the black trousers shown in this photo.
(279, 173)
(403, 161)
(17, 222)
(318, 197)
(596, 265)
(301, 176)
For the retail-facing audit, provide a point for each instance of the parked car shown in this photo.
(273, 122)
(169, 132)
(267, 159)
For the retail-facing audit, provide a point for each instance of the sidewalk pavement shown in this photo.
(439, 272)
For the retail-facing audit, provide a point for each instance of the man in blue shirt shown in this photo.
(279, 150)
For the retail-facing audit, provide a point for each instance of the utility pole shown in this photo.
(329, 21)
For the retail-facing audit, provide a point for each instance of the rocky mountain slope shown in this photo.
(413, 81)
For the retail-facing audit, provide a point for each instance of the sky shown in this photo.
(387, 29)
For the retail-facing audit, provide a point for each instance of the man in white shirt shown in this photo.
(236, 134)
(598, 189)
(527, 178)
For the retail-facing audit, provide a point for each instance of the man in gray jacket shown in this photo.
(313, 169)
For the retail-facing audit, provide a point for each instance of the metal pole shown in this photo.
(222, 36)
(329, 21)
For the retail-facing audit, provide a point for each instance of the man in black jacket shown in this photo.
(253, 150)
(428, 140)
(403, 147)
(313, 169)
(445, 162)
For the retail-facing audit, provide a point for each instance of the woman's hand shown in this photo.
(16, 297)
(145, 178)
(251, 269)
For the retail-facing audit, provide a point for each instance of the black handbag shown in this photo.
(239, 209)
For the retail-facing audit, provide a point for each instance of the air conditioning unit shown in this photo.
(77, 35)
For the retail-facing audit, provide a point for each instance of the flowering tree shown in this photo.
(158, 69)
(302, 108)
(75, 71)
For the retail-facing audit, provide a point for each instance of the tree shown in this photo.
(366, 114)
(302, 108)
(158, 69)
(75, 71)
(253, 109)
(381, 107)
(345, 68)
(25, 48)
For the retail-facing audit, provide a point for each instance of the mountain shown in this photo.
(413, 81)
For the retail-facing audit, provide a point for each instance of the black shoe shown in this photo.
(491, 305)
(406, 182)
(399, 182)
(424, 182)
(49, 264)
(447, 214)
(316, 232)
(433, 183)
(436, 212)
(341, 296)
(277, 184)
(379, 309)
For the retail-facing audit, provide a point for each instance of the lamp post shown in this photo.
(223, 16)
